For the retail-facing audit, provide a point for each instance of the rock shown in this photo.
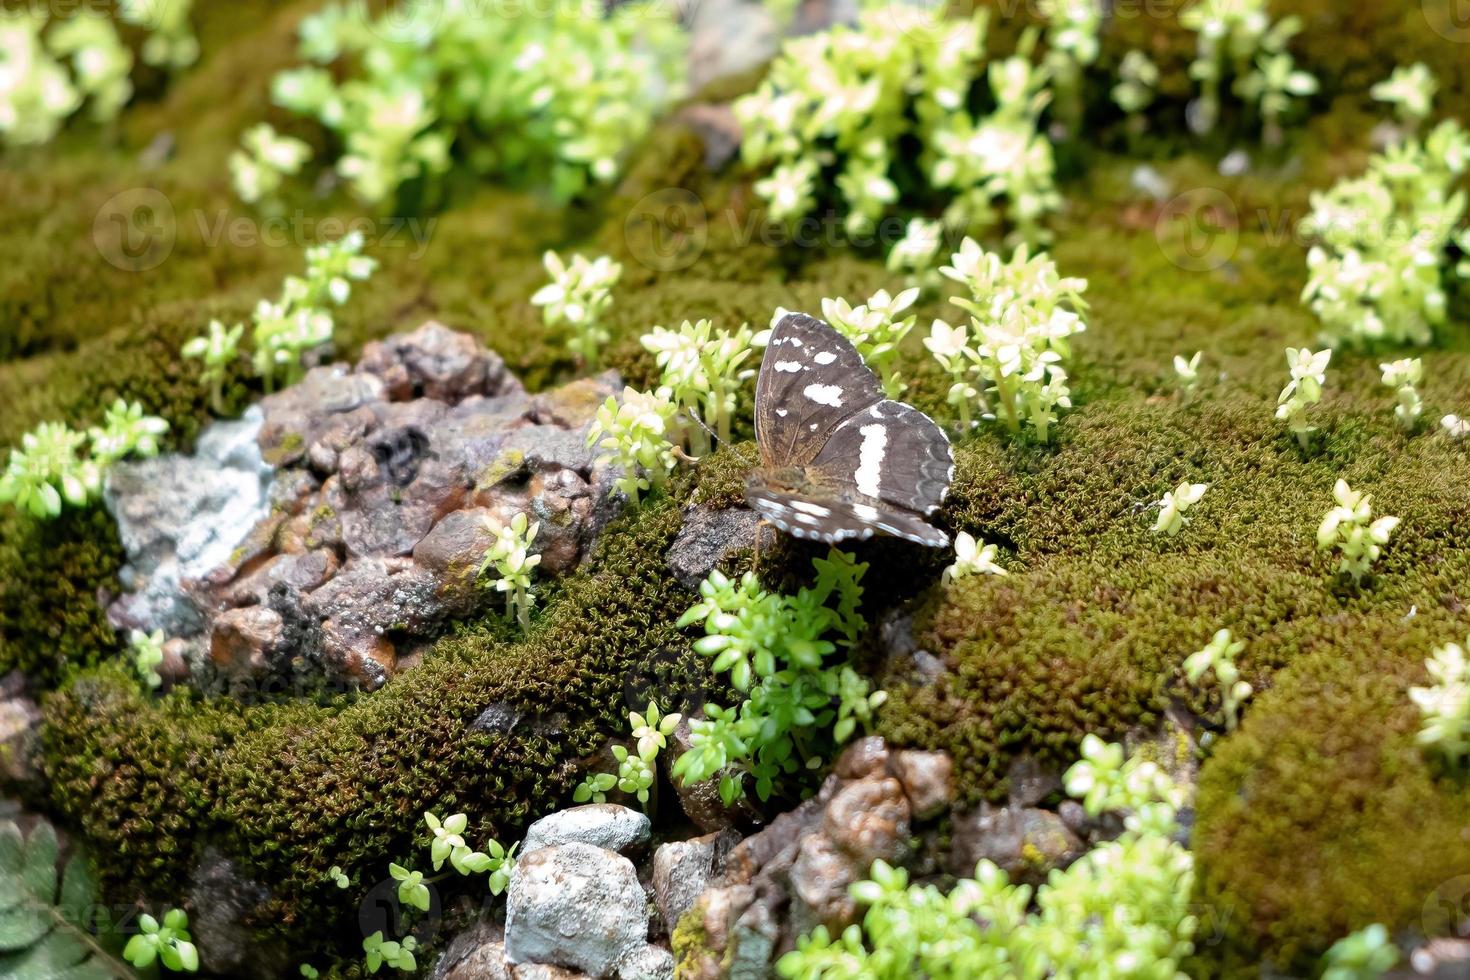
(369, 537)
(1029, 782)
(1025, 843)
(701, 801)
(178, 517)
(436, 362)
(605, 825)
(20, 724)
(869, 819)
(717, 128)
(544, 971)
(774, 849)
(498, 719)
(820, 879)
(728, 37)
(221, 900)
(864, 757)
(246, 641)
(652, 962)
(477, 953)
(706, 538)
(575, 905)
(682, 870)
(1443, 958)
(926, 778)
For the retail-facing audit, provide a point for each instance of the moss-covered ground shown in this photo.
(1318, 816)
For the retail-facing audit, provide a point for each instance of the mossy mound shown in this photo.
(1299, 812)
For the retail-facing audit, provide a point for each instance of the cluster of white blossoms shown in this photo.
(636, 435)
(704, 368)
(1445, 704)
(1349, 527)
(1308, 375)
(509, 557)
(579, 293)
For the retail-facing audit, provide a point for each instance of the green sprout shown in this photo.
(510, 557)
(594, 788)
(1402, 376)
(47, 470)
(1304, 390)
(147, 651)
(1273, 85)
(331, 269)
(1349, 528)
(449, 844)
(1072, 46)
(260, 168)
(399, 955)
(126, 431)
(1363, 955)
(338, 877)
(799, 701)
(579, 294)
(171, 43)
(100, 62)
(411, 888)
(634, 436)
(217, 350)
(636, 770)
(876, 329)
(703, 369)
(971, 558)
(1138, 83)
(1022, 314)
(1410, 90)
(1188, 373)
(1120, 910)
(1218, 656)
(1444, 705)
(283, 336)
(169, 943)
(1175, 504)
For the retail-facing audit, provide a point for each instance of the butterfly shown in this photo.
(838, 459)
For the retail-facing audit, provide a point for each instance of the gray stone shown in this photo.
(545, 971)
(728, 37)
(1029, 782)
(706, 538)
(652, 962)
(178, 517)
(682, 870)
(575, 905)
(869, 819)
(1025, 843)
(498, 719)
(20, 724)
(477, 953)
(221, 901)
(606, 825)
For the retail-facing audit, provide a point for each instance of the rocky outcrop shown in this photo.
(605, 825)
(337, 528)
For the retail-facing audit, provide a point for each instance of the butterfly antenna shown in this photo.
(714, 436)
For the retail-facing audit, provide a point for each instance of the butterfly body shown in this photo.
(840, 461)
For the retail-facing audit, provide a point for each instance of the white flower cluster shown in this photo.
(1403, 376)
(1376, 271)
(854, 94)
(170, 43)
(36, 94)
(1308, 375)
(876, 328)
(703, 369)
(1022, 316)
(509, 557)
(1237, 39)
(549, 94)
(1410, 90)
(1218, 656)
(264, 161)
(579, 293)
(1350, 529)
(634, 435)
(1445, 704)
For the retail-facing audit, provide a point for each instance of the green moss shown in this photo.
(690, 942)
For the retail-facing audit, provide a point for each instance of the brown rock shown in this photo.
(454, 551)
(1030, 782)
(869, 819)
(478, 953)
(20, 723)
(863, 757)
(926, 778)
(436, 362)
(302, 572)
(575, 405)
(773, 849)
(244, 640)
(1025, 843)
(819, 880)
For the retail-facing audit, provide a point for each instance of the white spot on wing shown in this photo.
(781, 413)
(824, 394)
(869, 472)
(825, 357)
(807, 508)
(865, 512)
(789, 367)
